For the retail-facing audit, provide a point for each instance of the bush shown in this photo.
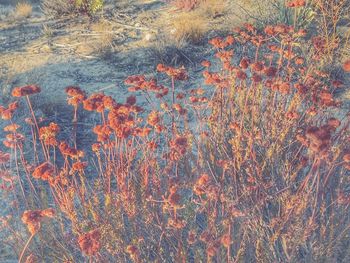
(23, 10)
(255, 167)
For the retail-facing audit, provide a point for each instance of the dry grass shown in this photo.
(189, 27)
(23, 10)
(214, 8)
(102, 36)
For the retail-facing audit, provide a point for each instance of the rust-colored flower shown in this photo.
(296, 3)
(132, 251)
(25, 90)
(48, 134)
(11, 127)
(153, 118)
(346, 65)
(69, 151)
(206, 63)
(79, 166)
(244, 63)
(346, 158)
(94, 103)
(75, 95)
(90, 242)
(33, 218)
(174, 197)
(44, 171)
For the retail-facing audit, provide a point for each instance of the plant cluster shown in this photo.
(252, 166)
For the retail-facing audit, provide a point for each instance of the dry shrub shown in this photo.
(58, 7)
(102, 35)
(214, 8)
(23, 10)
(189, 27)
(185, 5)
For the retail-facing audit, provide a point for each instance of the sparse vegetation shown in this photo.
(23, 10)
(188, 27)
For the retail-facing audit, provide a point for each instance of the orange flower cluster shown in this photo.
(201, 184)
(48, 134)
(221, 43)
(132, 251)
(215, 79)
(25, 90)
(320, 137)
(95, 103)
(346, 159)
(7, 113)
(33, 218)
(174, 197)
(11, 127)
(75, 95)
(44, 171)
(139, 82)
(90, 242)
(346, 65)
(79, 166)
(13, 139)
(103, 132)
(296, 3)
(176, 73)
(69, 151)
(178, 147)
(122, 121)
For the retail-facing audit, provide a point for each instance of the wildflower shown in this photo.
(284, 88)
(296, 3)
(225, 240)
(96, 147)
(346, 65)
(153, 118)
(132, 251)
(12, 127)
(218, 42)
(79, 166)
(346, 158)
(176, 73)
(333, 123)
(174, 197)
(33, 218)
(257, 66)
(319, 138)
(241, 75)
(191, 239)
(230, 40)
(244, 64)
(48, 134)
(25, 90)
(68, 151)
(44, 171)
(270, 72)
(76, 95)
(201, 184)
(94, 103)
(131, 100)
(299, 60)
(108, 103)
(90, 242)
(206, 63)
